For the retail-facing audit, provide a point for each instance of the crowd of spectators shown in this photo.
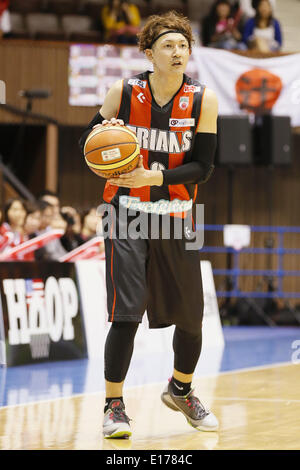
(228, 26)
(22, 221)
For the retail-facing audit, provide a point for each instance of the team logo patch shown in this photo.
(111, 154)
(183, 102)
(137, 82)
(141, 97)
(191, 89)
(182, 122)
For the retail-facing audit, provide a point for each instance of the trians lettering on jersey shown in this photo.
(165, 136)
(157, 140)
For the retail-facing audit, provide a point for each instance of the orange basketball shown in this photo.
(111, 150)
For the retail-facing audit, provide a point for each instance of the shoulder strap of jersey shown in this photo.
(128, 84)
(198, 92)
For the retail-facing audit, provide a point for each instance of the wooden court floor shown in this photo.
(257, 409)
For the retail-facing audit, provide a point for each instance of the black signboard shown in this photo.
(41, 317)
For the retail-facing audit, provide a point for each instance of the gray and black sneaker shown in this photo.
(191, 407)
(116, 422)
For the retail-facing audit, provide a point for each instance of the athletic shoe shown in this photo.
(191, 407)
(116, 422)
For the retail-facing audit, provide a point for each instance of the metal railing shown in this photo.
(235, 272)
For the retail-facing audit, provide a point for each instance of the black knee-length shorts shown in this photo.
(155, 274)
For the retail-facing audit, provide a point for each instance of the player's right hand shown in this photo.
(111, 122)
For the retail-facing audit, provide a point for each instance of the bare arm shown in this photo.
(209, 114)
(108, 111)
(111, 104)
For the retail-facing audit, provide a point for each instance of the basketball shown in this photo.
(111, 150)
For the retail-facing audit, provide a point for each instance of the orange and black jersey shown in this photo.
(166, 136)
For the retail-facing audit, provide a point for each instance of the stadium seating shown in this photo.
(26, 6)
(18, 26)
(80, 28)
(61, 7)
(73, 20)
(44, 25)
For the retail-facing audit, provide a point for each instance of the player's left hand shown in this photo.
(136, 178)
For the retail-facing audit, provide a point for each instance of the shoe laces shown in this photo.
(118, 414)
(195, 404)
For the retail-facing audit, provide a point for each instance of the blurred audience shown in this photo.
(249, 6)
(54, 249)
(52, 198)
(32, 223)
(11, 229)
(220, 27)
(72, 238)
(263, 32)
(121, 22)
(90, 221)
(23, 221)
(5, 23)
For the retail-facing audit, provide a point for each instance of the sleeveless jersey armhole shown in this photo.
(201, 108)
(117, 115)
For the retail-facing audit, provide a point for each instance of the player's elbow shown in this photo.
(205, 174)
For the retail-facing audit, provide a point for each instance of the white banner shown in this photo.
(244, 84)
(94, 69)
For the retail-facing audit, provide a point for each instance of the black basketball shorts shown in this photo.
(155, 274)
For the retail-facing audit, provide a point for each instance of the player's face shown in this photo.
(170, 53)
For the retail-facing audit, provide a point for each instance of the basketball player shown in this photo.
(174, 118)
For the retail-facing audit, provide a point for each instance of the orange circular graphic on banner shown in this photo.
(257, 90)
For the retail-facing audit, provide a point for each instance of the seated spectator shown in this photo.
(90, 222)
(11, 230)
(248, 7)
(220, 29)
(76, 216)
(121, 21)
(46, 211)
(54, 249)
(5, 25)
(32, 221)
(52, 199)
(72, 238)
(263, 32)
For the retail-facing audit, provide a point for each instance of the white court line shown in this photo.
(275, 400)
(216, 374)
(249, 369)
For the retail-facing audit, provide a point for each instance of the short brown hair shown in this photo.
(155, 23)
